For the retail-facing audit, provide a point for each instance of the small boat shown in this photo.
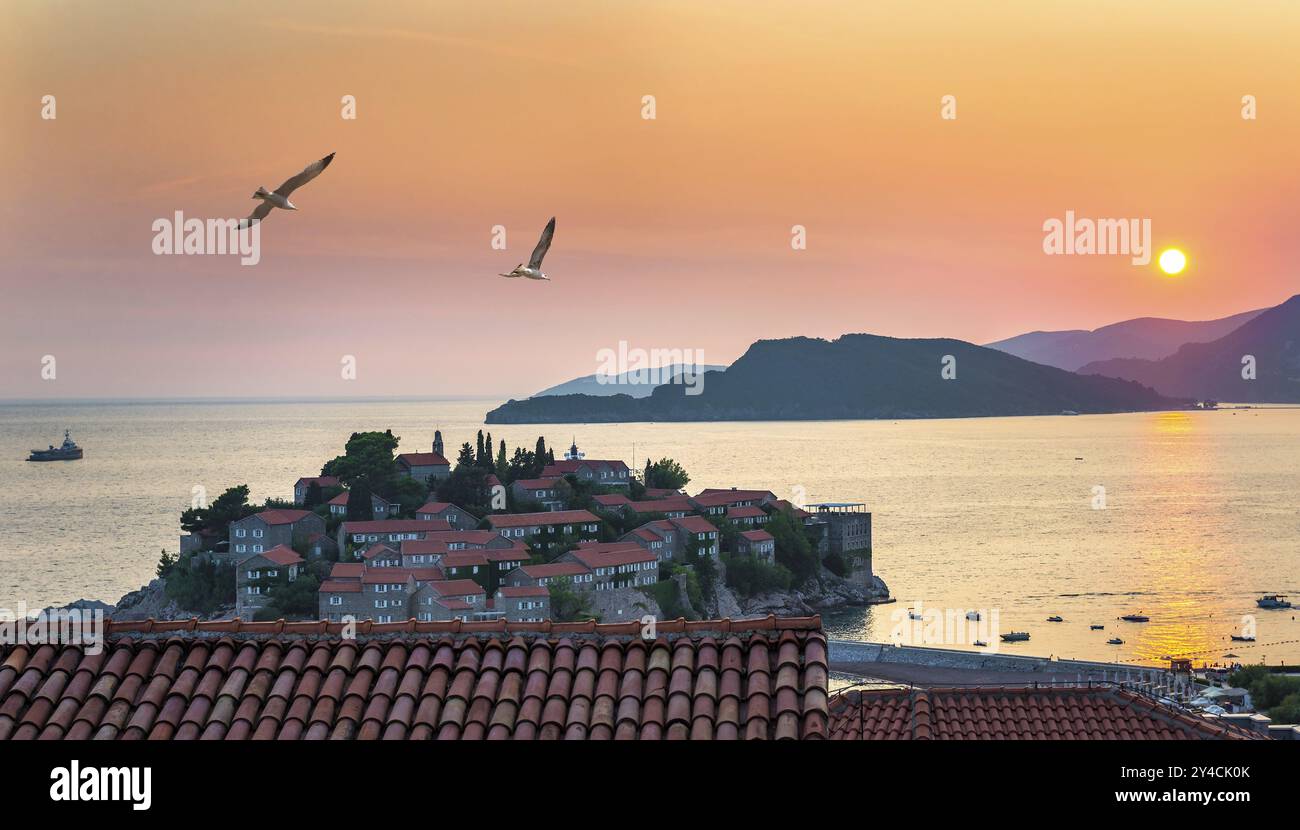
(1015, 637)
(1243, 638)
(912, 615)
(973, 615)
(1273, 601)
(1097, 627)
(1055, 619)
(1135, 618)
(980, 644)
(1115, 641)
(68, 452)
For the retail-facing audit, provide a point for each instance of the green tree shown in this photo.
(165, 563)
(793, 550)
(569, 604)
(668, 474)
(313, 496)
(360, 506)
(215, 519)
(367, 455)
(502, 465)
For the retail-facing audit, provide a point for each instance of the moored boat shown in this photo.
(1097, 627)
(1055, 619)
(1243, 638)
(1273, 601)
(1135, 618)
(1015, 637)
(1115, 641)
(68, 452)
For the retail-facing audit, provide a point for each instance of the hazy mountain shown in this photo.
(856, 376)
(637, 384)
(1150, 338)
(1213, 370)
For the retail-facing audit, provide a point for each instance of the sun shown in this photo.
(1172, 261)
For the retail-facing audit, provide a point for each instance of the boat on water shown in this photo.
(1135, 618)
(973, 615)
(1055, 619)
(1115, 641)
(68, 452)
(1243, 638)
(1097, 627)
(1273, 601)
(1015, 637)
(980, 644)
(912, 615)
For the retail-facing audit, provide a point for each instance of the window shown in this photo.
(250, 574)
(257, 548)
(240, 548)
(336, 600)
(381, 603)
(241, 532)
(254, 589)
(272, 573)
(257, 533)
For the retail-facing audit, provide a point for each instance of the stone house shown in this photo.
(616, 565)
(303, 485)
(352, 535)
(257, 575)
(441, 511)
(524, 604)
(423, 466)
(542, 530)
(697, 530)
(541, 576)
(380, 508)
(551, 493)
(260, 532)
(757, 543)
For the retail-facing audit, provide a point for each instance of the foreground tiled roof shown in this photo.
(1064, 713)
(229, 680)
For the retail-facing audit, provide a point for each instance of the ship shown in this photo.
(1273, 601)
(1016, 637)
(68, 452)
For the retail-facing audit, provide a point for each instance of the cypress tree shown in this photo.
(501, 459)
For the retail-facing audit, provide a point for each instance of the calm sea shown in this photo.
(1201, 509)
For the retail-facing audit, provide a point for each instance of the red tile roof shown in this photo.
(694, 524)
(456, 587)
(539, 483)
(553, 517)
(565, 466)
(347, 570)
(554, 569)
(523, 591)
(281, 555)
(341, 499)
(378, 549)
(668, 505)
(227, 680)
(611, 499)
(386, 576)
(464, 558)
(611, 554)
(397, 526)
(423, 459)
(434, 507)
(323, 481)
(1095, 712)
(661, 492)
(758, 536)
(747, 512)
(282, 516)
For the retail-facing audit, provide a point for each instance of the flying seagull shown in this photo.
(280, 198)
(534, 269)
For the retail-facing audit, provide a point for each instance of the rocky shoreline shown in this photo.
(828, 592)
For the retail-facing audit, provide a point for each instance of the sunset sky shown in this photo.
(671, 233)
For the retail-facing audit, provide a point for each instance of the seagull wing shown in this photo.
(543, 245)
(309, 172)
(259, 213)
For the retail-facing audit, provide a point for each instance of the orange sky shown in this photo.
(671, 233)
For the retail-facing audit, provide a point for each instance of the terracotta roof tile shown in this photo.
(1016, 713)
(230, 680)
